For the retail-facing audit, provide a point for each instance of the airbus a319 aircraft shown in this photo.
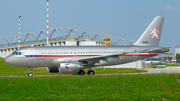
(70, 59)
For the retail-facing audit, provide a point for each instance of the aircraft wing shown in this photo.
(95, 59)
(101, 57)
(161, 50)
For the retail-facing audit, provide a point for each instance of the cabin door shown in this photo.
(135, 52)
(75, 54)
(31, 53)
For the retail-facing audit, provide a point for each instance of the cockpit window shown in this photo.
(13, 53)
(16, 53)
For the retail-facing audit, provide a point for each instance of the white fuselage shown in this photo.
(49, 56)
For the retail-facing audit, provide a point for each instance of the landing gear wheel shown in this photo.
(81, 72)
(90, 72)
(30, 74)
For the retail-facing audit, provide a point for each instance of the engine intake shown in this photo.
(69, 67)
(53, 69)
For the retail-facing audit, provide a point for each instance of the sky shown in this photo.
(121, 18)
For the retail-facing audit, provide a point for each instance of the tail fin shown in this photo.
(152, 35)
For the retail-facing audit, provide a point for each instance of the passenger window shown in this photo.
(19, 53)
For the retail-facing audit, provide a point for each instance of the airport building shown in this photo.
(177, 50)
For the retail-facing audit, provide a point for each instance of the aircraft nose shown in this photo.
(7, 60)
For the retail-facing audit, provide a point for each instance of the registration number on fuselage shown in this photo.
(40, 59)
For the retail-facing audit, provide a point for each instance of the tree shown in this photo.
(178, 57)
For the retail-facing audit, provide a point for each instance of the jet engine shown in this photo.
(53, 69)
(69, 67)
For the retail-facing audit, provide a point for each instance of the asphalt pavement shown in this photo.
(150, 71)
(163, 70)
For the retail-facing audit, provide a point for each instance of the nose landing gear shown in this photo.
(30, 72)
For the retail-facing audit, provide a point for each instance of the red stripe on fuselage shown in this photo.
(96, 55)
(140, 54)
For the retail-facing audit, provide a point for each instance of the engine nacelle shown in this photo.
(53, 69)
(69, 67)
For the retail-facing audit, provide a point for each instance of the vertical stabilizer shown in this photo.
(152, 35)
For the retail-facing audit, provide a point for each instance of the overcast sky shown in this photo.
(121, 18)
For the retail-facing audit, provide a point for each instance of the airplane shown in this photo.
(70, 59)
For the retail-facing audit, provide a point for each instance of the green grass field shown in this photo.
(87, 87)
(92, 88)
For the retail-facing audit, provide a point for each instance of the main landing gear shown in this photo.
(30, 72)
(81, 72)
(90, 72)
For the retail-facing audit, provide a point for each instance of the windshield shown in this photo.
(16, 53)
(13, 53)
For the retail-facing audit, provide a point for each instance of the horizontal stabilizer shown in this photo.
(161, 50)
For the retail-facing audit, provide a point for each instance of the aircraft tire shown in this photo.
(30, 74)
(81, 72)
(90, 72)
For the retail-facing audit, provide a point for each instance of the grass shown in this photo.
(7, 70)
(87, 88)
(92, 88)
